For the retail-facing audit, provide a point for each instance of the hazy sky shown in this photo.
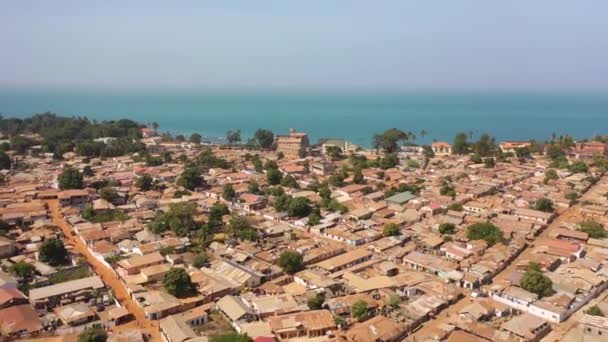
(311, 44)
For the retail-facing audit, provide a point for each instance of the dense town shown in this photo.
(137, 235)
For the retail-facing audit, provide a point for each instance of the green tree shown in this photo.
(109, 194)
(544, 204)
(178, 283)
(228, 194)
(290, 182)
(53, 252)
(461, 144)
(334, 152)
(523, 152)
(94, 333)
(144, 183)
(201, 260)
(388, 141)
(240, 227)
(536, 282)
(233, 137)
(281, 203)
(476, 158)
(291, 262)
(359, 310)
(280, 155)
(447, 228)
(358, 176)
(191, 179)
(485, 231)
(572, 197)
(389, 161)
(196, 138)
(23, 269)
(390, 229)
(264, 138)
(485, 146)
(427, 152)
(299, 207)
(550, 174)
(70, 178)
(87, 171)
(594, 311)
(314, 219)
(254, 187)
(594, 229)
(578, 167)
(456, 206)
(489, 163)
(5, 161)
(336, 180)
(179, 219)
(554, 152)
(273, 176)
(316, 302)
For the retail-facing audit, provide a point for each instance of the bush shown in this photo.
(485, 231)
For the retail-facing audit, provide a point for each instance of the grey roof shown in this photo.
(93, 282)
(401, 197)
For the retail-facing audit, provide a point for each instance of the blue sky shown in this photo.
(312, 44)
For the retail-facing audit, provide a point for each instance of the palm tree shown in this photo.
(423, 133)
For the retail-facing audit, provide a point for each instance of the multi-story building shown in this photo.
(293, 145)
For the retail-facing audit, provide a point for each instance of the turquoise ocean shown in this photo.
(354, 116)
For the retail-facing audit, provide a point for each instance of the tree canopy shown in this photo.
(390, 229)
(461, 144)
(264, 138)
(233, 136)
(228, 193)
(196, 138)
(291, 262)
(177, 282)
(447, 228)
(53, 252)
(70, 178)
(485, 231)
(5, 161)
(94, 333)
(594, 229)
(23, 269)
(179, 219)
(191, 179)
(388, 141)
(144, 183)
(544, 204)
(536, 282)
(359, 309)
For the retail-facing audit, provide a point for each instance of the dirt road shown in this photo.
(108, 276)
